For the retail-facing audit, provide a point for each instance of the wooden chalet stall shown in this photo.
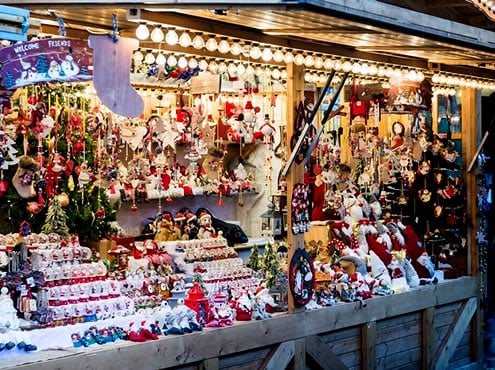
(434, 326)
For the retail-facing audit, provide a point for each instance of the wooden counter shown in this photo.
(428, 327)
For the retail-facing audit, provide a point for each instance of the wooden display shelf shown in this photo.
(428, 327)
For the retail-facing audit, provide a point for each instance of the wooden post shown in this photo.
(299, 360)
(295, 94)
(471, 133)
(368, 346)
(428, 337)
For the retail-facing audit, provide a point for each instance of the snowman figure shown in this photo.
(11, 334)
(69, 66)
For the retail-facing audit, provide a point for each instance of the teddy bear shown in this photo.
(206, 230)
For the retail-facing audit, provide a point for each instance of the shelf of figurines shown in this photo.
(55, 287)
(58, 294)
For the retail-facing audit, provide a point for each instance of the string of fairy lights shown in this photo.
(244, 58)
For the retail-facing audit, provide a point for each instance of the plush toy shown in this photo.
(23, 179)
(167, 230)
(206, 231)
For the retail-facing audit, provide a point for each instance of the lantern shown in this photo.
(196, 301)
(271, 222)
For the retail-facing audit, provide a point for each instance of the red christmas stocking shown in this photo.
(24, 177)
(111, 75)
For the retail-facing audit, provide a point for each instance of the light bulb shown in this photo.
(255, 52)
(299, 59)
(223, 46)
(149, 58)
(250, 70)
(318, 62)
(266, 54)
(421, 76)
(412, 75)
(232, 69)
(338, 65)
(283, 74)
(373, 70)
(381, 71)
(138, 57)
(365, 69)
(278, 56)
(213, 67)
(182, 62)
(309, 61)
(185, 39)
(258, 71)
(236, 48)
(222, 67)
(329, 64)
(241, 69)
(161, 60)
(157, 34)
(276, 74)
(356, 68)
(288, 57)
(211, 44)
(172, 38)
(142, 32)
(308, 77)
(203, 64)
(346, 66)
(198, 42)
(172, 60)
(193, 63)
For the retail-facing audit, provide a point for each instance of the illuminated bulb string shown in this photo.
(486, 6)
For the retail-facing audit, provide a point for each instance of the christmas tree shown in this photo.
(62, 152)
(42, 65)
(9, 81)
(254, 259)
(271, 265)
(56, 219)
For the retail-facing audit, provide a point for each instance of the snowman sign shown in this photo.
(49, 60)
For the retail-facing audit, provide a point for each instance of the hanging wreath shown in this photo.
(301, 277)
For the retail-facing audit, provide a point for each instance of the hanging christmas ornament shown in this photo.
(100, 212)
(70, 183)
(4, 185)
(63, 199)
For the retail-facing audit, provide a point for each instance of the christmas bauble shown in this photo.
(32, 100)
(100, 213)
(4, 185)
(63, 200)
(78, 147)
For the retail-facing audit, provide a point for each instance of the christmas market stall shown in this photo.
(214, 201)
